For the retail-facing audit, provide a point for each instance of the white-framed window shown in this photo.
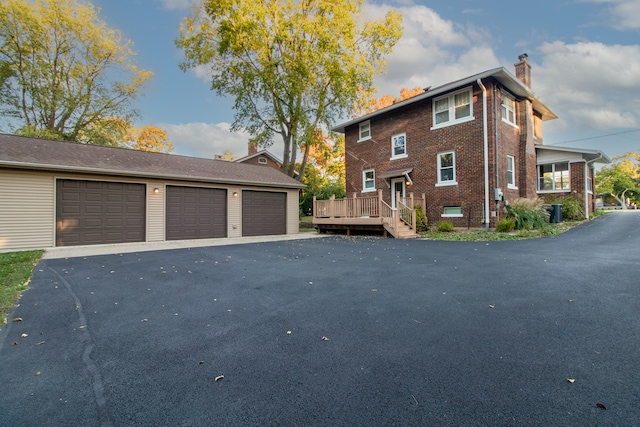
(452, 212)
(364, 131)
(368, 180)
(453, 108)
(399, 146)
(508, 109)
(554, 177)
(262, 160)
(447, 168)
(511, 172)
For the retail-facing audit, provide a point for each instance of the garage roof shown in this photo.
(34, 153)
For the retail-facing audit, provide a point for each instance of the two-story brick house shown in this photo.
(469, 146)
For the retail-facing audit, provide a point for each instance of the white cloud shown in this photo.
(178, 4)
(591, 85)
(208, 139)
(626, 13)
(432, 51)
(205, 139)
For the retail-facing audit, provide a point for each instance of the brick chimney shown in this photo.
(253, 149)
(523, 70)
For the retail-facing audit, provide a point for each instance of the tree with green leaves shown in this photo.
(291, 66)
(64, 74)
(620, 180)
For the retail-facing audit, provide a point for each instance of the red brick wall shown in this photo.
(465, 139)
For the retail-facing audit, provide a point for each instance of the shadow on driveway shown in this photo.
(335, 331)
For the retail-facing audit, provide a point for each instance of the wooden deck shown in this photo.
(367, 214)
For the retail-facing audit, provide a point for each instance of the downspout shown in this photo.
(486, 154)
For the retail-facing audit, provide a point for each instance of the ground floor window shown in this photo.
(452, 212)
(553, 176)
(368, 181)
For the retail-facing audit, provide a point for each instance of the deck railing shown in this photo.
(373, 207)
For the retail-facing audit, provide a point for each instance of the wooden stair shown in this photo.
(402, 232)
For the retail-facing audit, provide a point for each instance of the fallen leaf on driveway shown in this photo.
(325, 339)
(492, 306)
(17, 319)
(24, 335)
(601, 405)
(37, 374)
(219, 377)
(571, 380)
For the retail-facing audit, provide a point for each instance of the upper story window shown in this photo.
(364, 131)
(511, 172)
(453, 108)
(399, 146)
(554, 177)
(509, 109)
(447, 168)
(368, 180)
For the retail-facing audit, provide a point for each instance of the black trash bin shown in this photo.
(556, 213)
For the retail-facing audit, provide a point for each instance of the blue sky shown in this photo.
(585, 58)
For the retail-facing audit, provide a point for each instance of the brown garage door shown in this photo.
(263, 213)
(196, 213)
(96, 212)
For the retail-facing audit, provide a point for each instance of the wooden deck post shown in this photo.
(332, 206)
(314, 209)
(413, 212)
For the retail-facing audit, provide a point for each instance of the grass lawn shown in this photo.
(15, 270)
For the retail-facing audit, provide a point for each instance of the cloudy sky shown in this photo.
(585, 58)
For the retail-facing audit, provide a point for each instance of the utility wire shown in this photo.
(595, 137)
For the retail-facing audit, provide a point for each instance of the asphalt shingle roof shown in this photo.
(34, 153)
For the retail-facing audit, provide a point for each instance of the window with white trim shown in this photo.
(368, 180)
(447, 168)
(511, 172)
(554, 177)
(452, 212)
(508, 109)
(364, 131)
(453, 108)
(262, 160)
(399, 146)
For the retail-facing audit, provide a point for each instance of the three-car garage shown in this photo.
(55, 193)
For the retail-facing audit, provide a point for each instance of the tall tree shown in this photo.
(148, 138)
(291, 66)
(63, 71)
(621, 179)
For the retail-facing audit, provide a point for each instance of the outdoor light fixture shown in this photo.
(156, 190)
(235, 194)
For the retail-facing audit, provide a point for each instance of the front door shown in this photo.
(397, 186)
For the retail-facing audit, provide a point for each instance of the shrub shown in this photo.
(445, 226)
(528, 214)
(506, 225)
(572, 206)
(421, 220)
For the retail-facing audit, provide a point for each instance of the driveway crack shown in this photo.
(89, 345)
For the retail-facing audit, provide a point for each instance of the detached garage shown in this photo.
(55, 193)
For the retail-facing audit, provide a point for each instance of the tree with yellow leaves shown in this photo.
(148, 138)
(291, 66)
(365, 105)
(63, 72)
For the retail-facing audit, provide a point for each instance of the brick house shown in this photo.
(262, 158)
(469, 146)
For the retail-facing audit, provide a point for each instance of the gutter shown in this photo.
(486, 154)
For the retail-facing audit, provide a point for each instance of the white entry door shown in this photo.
(397, 185)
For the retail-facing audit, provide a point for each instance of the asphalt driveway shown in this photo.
(334, 332)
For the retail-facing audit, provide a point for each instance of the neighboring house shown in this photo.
(262, 158)
(55, 193)
(469, 146)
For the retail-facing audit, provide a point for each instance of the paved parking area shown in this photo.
(334, 331)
